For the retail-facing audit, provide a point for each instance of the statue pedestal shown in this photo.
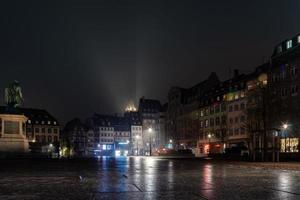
(12, 133)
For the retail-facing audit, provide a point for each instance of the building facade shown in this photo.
(42, 130)
(283, 91)
(74, 139)
(150, 113)
(136, 128)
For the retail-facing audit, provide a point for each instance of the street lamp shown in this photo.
(137, 144)
(209, 136)
(170, 145)
(150, 131)
(285, 127)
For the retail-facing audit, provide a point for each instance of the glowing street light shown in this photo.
(209, 136)
(137, 144)
(285, 126)
(150, 131)
(171, 141)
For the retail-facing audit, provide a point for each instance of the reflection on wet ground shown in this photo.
(143, 178)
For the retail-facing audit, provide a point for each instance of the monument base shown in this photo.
(12, 135)
(14, 145)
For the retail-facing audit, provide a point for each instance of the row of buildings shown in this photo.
(257, 113)
(136, 132)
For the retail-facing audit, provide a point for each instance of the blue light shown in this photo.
(123, 143)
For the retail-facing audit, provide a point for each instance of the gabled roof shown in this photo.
(119, 123)
(36, 116)
(75, 123)
(282, 48)
(149, 105)
(133, 118)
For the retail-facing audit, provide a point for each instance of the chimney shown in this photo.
(235, 73)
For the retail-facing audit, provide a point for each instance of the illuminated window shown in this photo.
(242, 94)
(230, 97)
(289, 44)
(265, 82)
(206, 123)
(201, 113)
(298, 38)
(289, 145)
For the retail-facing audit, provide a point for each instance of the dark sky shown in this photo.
(75, 58)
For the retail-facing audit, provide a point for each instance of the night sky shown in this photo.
(75, 58)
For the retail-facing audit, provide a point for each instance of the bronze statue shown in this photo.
(13, 95)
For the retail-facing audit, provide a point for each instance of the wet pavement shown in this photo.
(145, 178)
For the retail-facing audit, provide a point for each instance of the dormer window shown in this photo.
(298, 38)
(289, 44)
(279, 49)
(29, 121)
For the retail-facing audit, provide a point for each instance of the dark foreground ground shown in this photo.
(147, 178)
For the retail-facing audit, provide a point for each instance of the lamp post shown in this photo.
(171, 144)
(137, 144)
(150, 133)
(209, 136)
(285, 127)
